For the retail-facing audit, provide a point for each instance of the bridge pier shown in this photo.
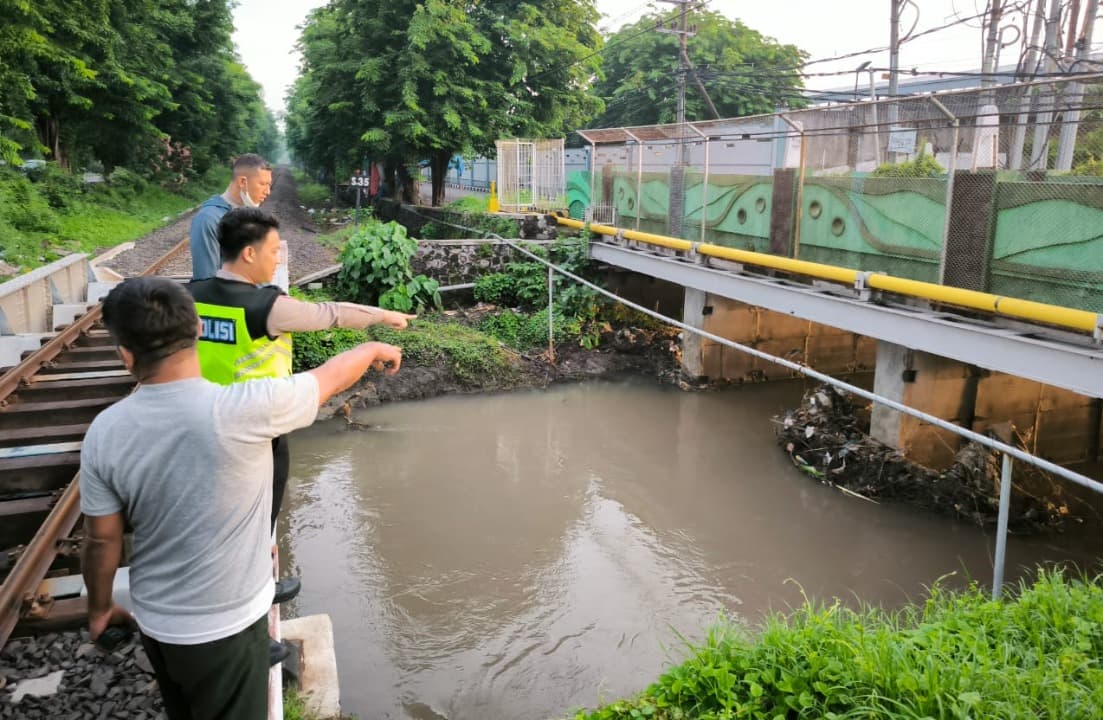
(1057, 424)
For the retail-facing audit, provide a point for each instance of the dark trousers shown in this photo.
(281, 467)
(225, 679)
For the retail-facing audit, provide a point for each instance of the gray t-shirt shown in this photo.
(189, 464)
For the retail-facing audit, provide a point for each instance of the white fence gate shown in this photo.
(531, 175)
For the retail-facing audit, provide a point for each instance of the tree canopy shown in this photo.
(403, 81)
(743, 71)
(126, 83)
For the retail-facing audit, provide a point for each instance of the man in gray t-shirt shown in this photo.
(189, 465)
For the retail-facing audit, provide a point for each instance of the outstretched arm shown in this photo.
(291, 315)
(341, 371)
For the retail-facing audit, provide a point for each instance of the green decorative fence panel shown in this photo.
(1048, 243)
(891, 225)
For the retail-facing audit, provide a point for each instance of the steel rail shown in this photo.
(1083, 321)
(35, 560)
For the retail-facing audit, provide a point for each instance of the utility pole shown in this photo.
(989, 61)
(1047, 98)
(678, 172)
(894, 46)
(1029, 65)
(1071, 117)
(894, 69)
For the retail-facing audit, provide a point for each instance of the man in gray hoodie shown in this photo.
(250, 185)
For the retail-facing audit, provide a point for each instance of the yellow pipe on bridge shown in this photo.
(1071, 318)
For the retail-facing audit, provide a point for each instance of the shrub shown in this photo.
(375, 269)
(60, 189)
(923, 166)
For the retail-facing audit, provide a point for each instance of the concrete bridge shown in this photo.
(973, 358)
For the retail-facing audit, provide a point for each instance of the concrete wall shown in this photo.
(1053, 423)
(825, 348)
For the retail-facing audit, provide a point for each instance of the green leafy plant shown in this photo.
(375, 269)
(956, 655)
(922, 166)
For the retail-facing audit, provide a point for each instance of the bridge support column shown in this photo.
(944, 388)
(1054, 423)
(693, 314)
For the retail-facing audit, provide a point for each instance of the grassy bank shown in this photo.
(957, 655)
(49, 213)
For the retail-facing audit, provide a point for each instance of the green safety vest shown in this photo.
(234, 345)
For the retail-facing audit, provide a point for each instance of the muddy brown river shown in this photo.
(517, 556)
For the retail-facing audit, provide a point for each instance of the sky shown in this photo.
(267, 31)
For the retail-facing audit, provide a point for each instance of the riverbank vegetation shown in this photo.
(954, 655)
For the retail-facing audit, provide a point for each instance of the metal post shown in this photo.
(639, 176)
(704, 193)
(952, 170)
(876, 129)
(800, 183)
(356, 218)
(1001, 527)
(551, 323)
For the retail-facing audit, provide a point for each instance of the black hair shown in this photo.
(249, 163)
(242, 227)
(152, 317)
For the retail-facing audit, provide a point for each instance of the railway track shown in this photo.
(46, 405)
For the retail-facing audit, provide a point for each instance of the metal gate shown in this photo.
(531, 175)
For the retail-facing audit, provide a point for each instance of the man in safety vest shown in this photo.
(246, 325)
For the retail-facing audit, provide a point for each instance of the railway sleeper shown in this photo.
(43, 414)
(18, 437)
(42, 389)
(37, 473)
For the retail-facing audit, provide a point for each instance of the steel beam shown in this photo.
(1068, 365)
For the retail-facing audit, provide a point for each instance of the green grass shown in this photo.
(33, 233)
(957, 655)
(473, 357)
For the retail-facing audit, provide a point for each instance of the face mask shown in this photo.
(246, 200)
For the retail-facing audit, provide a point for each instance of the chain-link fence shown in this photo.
(997, 189)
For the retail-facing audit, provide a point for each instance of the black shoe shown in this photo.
(277, 652)
(287, 589)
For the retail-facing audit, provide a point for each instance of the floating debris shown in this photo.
(827, 438)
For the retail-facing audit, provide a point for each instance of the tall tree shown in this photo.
(743, 71)
(428, 79)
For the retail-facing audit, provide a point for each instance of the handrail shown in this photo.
(1070, 318)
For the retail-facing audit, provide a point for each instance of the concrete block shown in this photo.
(12, 347)
(98, 290)
(320, 688)
(63, 314)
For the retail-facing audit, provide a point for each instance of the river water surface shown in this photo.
(513, 557)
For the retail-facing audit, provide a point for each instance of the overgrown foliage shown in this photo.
(957, 655)
(744, 71)
(523, 289)
(47, 213)
(473, 357)
(375, 270)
